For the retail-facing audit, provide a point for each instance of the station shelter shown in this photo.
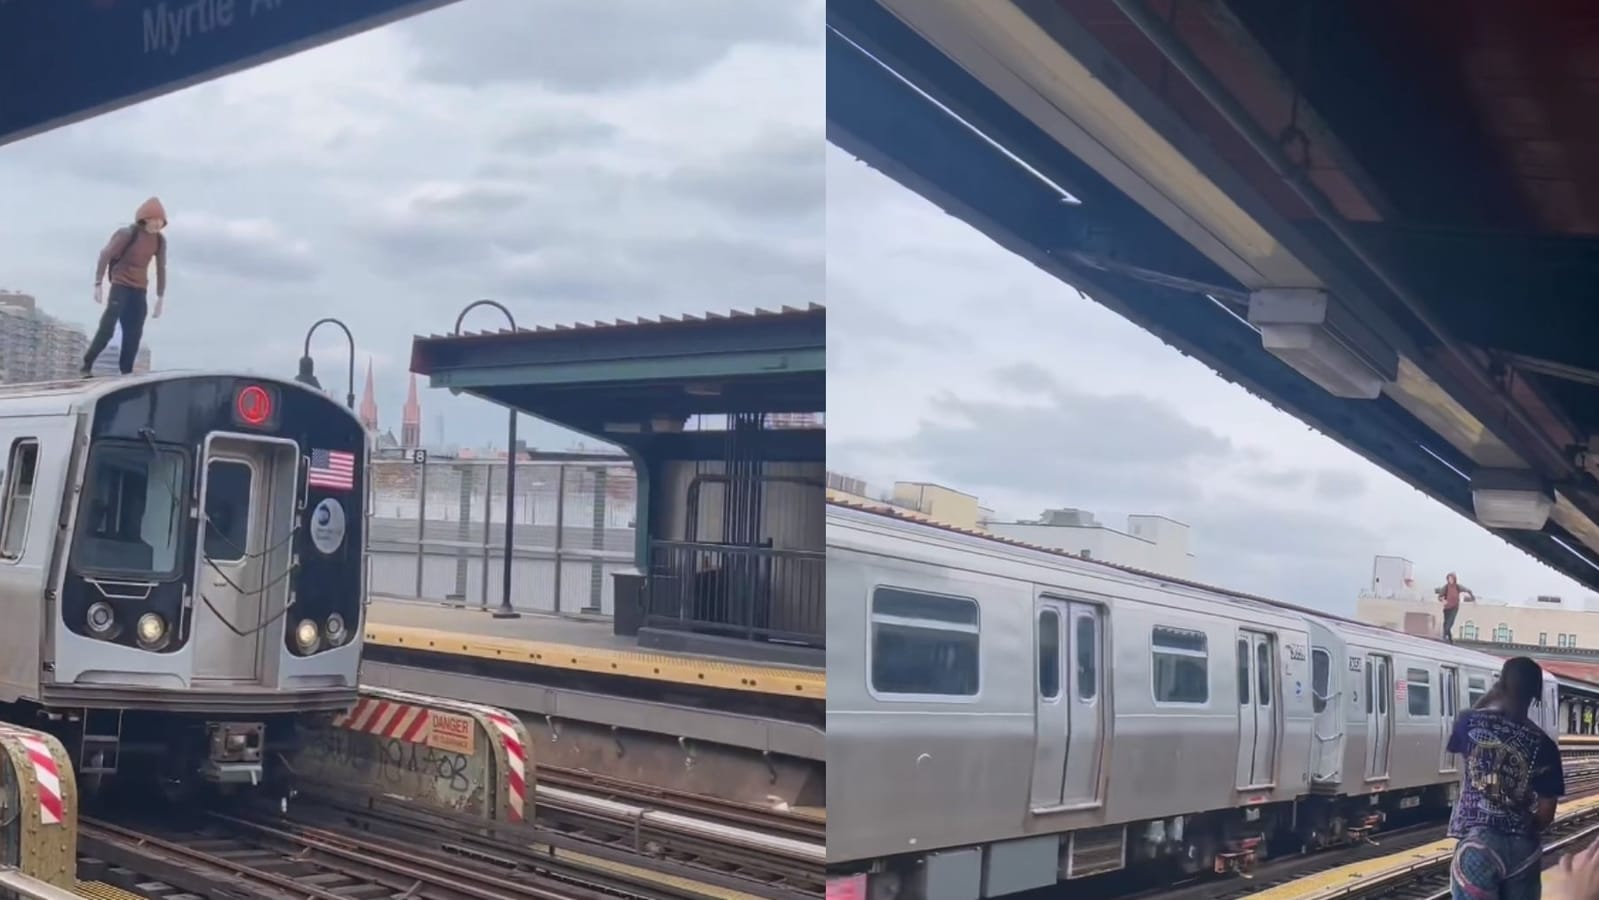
(722, 416)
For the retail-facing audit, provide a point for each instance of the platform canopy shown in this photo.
(634, 382)
(66, 60)
(1427, 170)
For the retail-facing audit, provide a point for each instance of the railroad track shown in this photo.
(704, 860)
(784, 823)
(224, 856)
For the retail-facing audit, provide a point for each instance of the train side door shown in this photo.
(1379, 715)
(1257, 710)
(1068, 714)
(1448, 710)
(1051, 713)
(1325, 696)
(1086, 733)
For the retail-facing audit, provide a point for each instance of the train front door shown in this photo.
(1448, 709)
(1068, 715)
(235, 582)
(1379, 715)
(1257, 710)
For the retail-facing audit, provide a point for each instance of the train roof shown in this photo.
(1353, 624)
(68, 396)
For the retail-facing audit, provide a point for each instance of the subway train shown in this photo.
(181, 567)
(1002, 717)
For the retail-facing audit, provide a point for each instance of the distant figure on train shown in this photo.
(1511, 780)
(126, 259)
(1450, 595)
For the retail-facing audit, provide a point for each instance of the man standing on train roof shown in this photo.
(1511, 779)
(126, 259)
(1450, 595)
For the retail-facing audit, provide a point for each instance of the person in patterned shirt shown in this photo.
(1511, 779)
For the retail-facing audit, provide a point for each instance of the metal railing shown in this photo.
(437, 532)
(753, 593)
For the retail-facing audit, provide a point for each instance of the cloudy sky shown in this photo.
(574, 160)
(951, 361)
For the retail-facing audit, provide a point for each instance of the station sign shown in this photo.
(144, 48)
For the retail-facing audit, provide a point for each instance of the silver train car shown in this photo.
(1002, 717)
(182, 559)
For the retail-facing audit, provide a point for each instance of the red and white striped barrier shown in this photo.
(485, 744)
(48, 817)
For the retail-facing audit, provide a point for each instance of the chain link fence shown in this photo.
(438, 532)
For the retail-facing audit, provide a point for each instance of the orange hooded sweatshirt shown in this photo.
(126, 256)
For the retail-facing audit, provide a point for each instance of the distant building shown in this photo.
(939, 503)
(919, 500)
(35, 346)
(411, 419)
(1398, 600)
(1151, 543)
(383, 439)
(369, 403)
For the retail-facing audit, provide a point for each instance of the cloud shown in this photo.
(582, 47)
(777, 175)
(255, 249)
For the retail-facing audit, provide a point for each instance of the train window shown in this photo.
(1181, 665)
(1263, 673)
(924, 644)
(131, 511)
(1049, 654)
(1087, 658)
(227, 509)
(1243, 672)
(1369, 692)
(19, 477)
(1418, 689)
(1320, 678)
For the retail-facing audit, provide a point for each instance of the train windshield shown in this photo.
(131, 514)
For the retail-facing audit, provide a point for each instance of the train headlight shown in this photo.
(306, 637)
(336, 633)
(152, 631)
(102, 620)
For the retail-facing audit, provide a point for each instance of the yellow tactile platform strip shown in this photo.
(1337, 882)
(727, 675)
(99, 890)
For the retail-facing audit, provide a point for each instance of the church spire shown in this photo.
(369, 402)
(411, 419)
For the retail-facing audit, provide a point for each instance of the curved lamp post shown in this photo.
(505, 611)
(307, 375)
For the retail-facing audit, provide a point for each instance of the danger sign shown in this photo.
(1400, 688)
(451, 732)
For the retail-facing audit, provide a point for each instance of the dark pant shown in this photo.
(1449, 617)
(126, 306)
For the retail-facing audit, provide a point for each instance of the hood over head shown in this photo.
(151, 209)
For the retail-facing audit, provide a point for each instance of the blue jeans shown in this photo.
(1493, 866)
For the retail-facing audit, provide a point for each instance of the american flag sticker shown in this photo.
(332, 470)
